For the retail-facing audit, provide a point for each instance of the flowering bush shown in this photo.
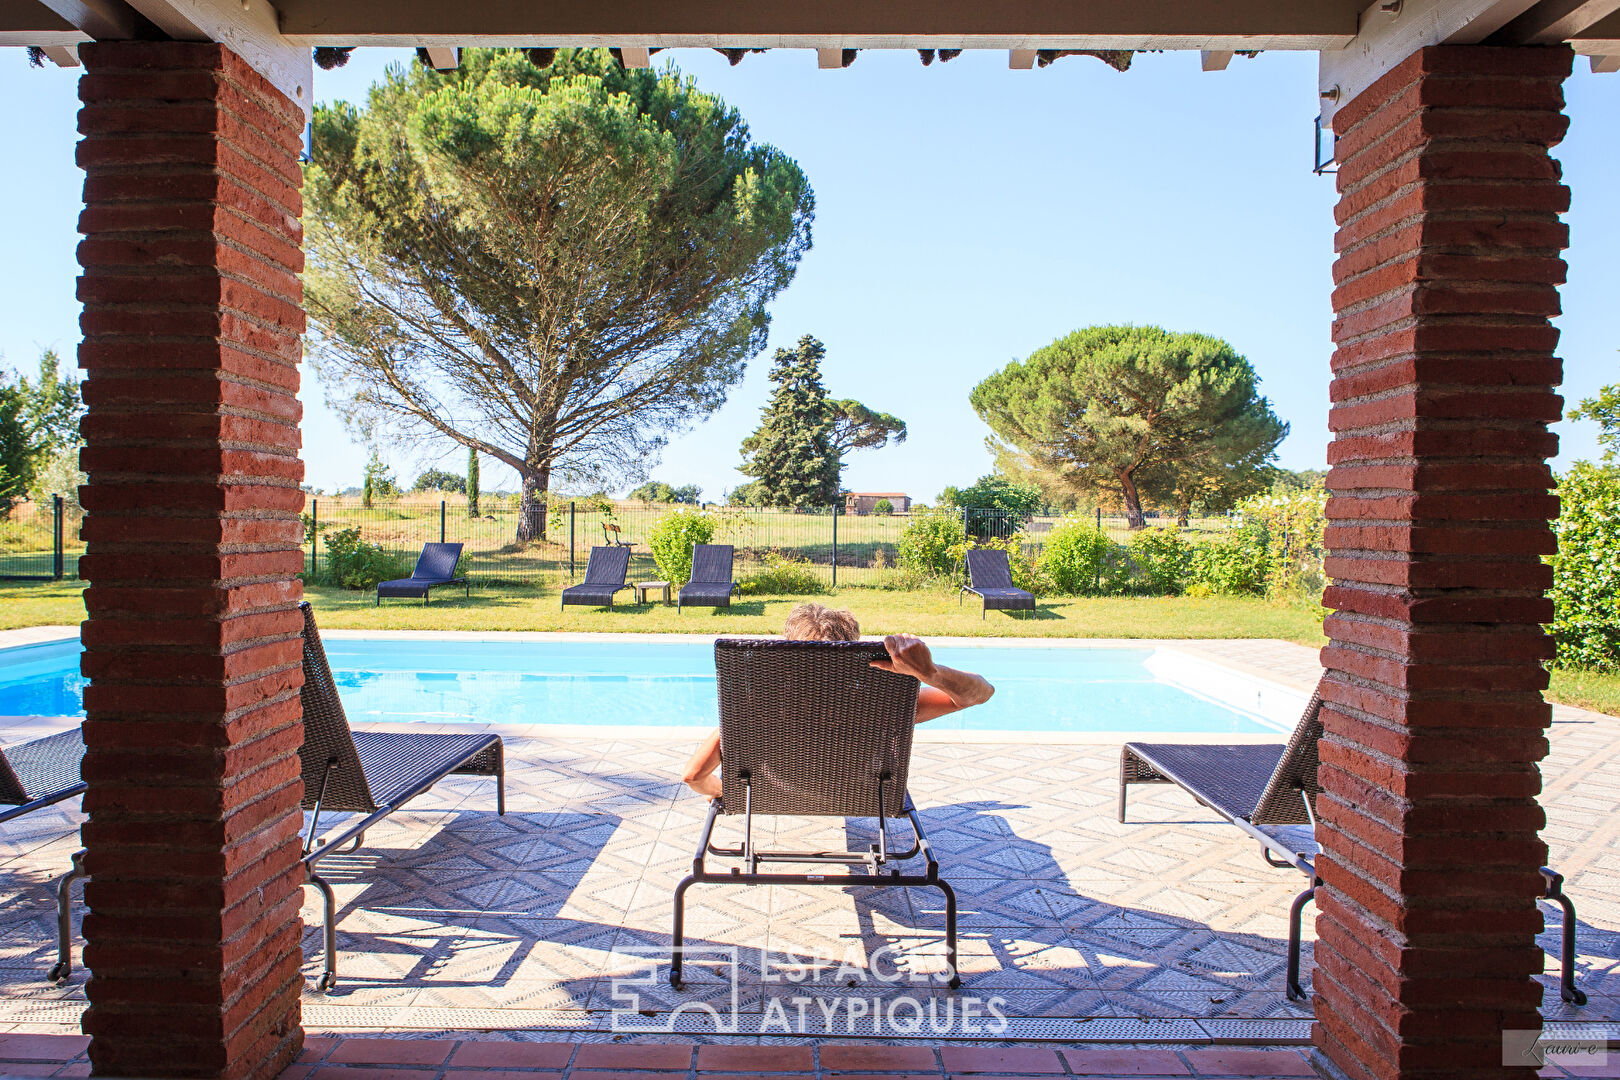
(1160, 559)
(1586, 570)
(1077, 556)
(1234, 563)
(671, 539)
(783, 573)
(926, 543)
(1292, 523)
(355, 564)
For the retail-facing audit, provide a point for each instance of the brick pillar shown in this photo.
(1448, 271)
(191, 343)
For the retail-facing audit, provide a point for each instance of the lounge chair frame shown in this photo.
(369, 773)
(605, 572)
(434, 567)
(830, 736)
(1221, 777)
(34, 775)
(711, 583)
(990, 579)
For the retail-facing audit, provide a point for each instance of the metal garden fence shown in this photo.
(40, 542)
(839, 548)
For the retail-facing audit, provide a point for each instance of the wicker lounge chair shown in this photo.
(1258, 787)
(369, 773)
(711, 584)
(435, 566)
(34, 775)
(810, 728)
(990, 579)
(604, 576)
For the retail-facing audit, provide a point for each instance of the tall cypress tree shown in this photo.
(791, 453)
(472, 481)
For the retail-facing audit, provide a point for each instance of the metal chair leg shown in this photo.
(328, 978)
(64, 919)
(500, 780)
(950, 932)
(1567, 990)
(679, 937)
(1296, 992)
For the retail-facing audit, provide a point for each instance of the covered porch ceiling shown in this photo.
(1357, 42)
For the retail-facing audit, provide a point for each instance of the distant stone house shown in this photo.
(862, 502)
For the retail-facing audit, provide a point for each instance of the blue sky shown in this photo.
(966, 215)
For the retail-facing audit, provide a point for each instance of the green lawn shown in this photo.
(880, 612)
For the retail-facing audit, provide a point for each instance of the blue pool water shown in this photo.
(669, 683)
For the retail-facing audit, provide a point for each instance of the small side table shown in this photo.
(644, 587)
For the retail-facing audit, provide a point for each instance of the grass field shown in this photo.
(880, 612)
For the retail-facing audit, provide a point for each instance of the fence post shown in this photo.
(1099, 561)
(57, 536)
(441, 521)
(314, 534)
(570, 541)
(835, 546)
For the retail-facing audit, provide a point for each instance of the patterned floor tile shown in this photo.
(1064, 911)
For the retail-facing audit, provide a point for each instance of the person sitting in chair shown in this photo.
(944, 690)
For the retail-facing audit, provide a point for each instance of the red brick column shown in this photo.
(1447, 273)
(191, 342)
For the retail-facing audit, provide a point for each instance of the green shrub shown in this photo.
(783, 574)
(1077, 558)
(1233, 563)
(1160, 559)
(1586, 570)
(671, 539)
(926, 543)
(1292, 522)
(883, 508)
(354, 564)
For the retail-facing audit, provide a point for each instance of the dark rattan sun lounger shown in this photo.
(711, 584)
(34, 775)
(369, 773)
(604, 576)
(810, 728)
(1256, 786)
(990, 579)
(435, 566)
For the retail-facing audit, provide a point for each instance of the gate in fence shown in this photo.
(32, 548)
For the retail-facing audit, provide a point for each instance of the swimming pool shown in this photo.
(647, 683)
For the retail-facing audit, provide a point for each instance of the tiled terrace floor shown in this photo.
(363, 1058)
(1169, 929)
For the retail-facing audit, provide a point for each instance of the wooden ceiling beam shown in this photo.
(1552, 21)
(853, 24)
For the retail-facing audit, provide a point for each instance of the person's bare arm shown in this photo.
(944, 690)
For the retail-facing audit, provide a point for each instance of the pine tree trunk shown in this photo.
(532, 507)
(1133, 502)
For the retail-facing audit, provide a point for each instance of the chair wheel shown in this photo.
(326, 982)
(59, 973)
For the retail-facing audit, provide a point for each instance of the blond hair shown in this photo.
(812, 622)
